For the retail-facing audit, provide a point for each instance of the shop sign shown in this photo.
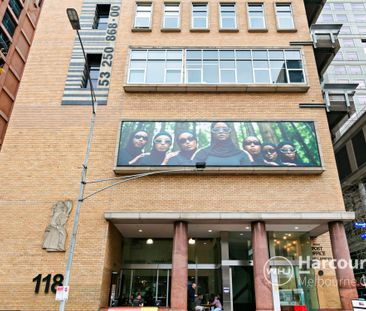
(224, 145)
(359, 224)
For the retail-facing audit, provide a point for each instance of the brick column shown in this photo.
(179, 267)
(263, 289)
(345, 278)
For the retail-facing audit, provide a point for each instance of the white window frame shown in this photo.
(171, 4)
(279, 5)
(193, 17)
(137, 11)
(224, 4)
(250, 26)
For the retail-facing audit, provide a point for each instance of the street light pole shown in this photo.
(75, 23)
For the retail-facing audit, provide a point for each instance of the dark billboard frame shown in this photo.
(136, 167)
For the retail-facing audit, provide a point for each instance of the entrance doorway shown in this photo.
(242, 284)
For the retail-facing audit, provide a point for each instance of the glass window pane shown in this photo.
(170, 64)
(277, 64)
(194, 64)
(279, 76)
(296, 76)
(297, 64)
(257, 23)
(210, 54)
(228, 76)
(156, 54)
(227, 64)
(210, 72)
(228, 23)
(275, 54)
(244, 71)
(155, 72)
(194, 54)
(194, 76)
(259, 54)
(137, 76)
(171, 22)
(173, 76)
(174, 54)
(260, 64)
(243, 54)
(292, 54)
(137, 64)
(227, 54)
(138, 54)
(261, 76)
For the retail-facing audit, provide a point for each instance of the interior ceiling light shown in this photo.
(149, 241)
(209, 230)
(296, 228)
(140, 230)
(192, 241)
(247, 228)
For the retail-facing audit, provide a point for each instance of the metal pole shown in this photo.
(82, 184)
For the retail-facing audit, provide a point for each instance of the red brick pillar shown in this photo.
(179, 267)
(345, 278)
(263, 289)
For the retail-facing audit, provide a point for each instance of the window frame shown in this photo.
(278, 24)
(201, 59)
(171, 3)
(227, 4)
(98, 16)
(143, 4)
(250, 27)
(207, 28)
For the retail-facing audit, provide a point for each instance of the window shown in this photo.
(357, 6)
(359, 17)
(327, 17)
(92, 68)
(199, 16)
(346, 29)
(347, 43)
(338, 6)
(339, 56)
(101, 16)
(171, 16)
(341, 70)
(326, 7)
(9, 23)
(227, 16)
(284, 16)
(155, 66)
(344, 81)
(4, 42)
(213, 66)
(362, 30)
(143, 15)
(343, 165)
(351, 56)
(356, 70)
(256, 16)
(16, 7)
(359, 147)
(341, 18)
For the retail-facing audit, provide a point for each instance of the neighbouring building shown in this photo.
(211, 143)
(347, 72)
(18, 25)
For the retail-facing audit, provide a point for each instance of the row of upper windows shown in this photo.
(200, 16)
(208, 66)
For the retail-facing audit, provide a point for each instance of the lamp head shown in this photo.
(73, 18)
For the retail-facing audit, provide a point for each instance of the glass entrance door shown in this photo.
(242, 285)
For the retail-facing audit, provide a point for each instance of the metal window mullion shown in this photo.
(202, 66)
(146, 64)
(157, 284)
(253, 71)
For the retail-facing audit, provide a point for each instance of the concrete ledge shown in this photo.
(216, 88)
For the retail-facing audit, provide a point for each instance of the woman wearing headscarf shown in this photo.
(222, 150)
(187, 143)
(134, 148)
(288, 156)
(161, 145)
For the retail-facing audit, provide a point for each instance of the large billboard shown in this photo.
(220, 144)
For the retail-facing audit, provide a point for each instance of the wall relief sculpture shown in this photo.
(55, 233)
